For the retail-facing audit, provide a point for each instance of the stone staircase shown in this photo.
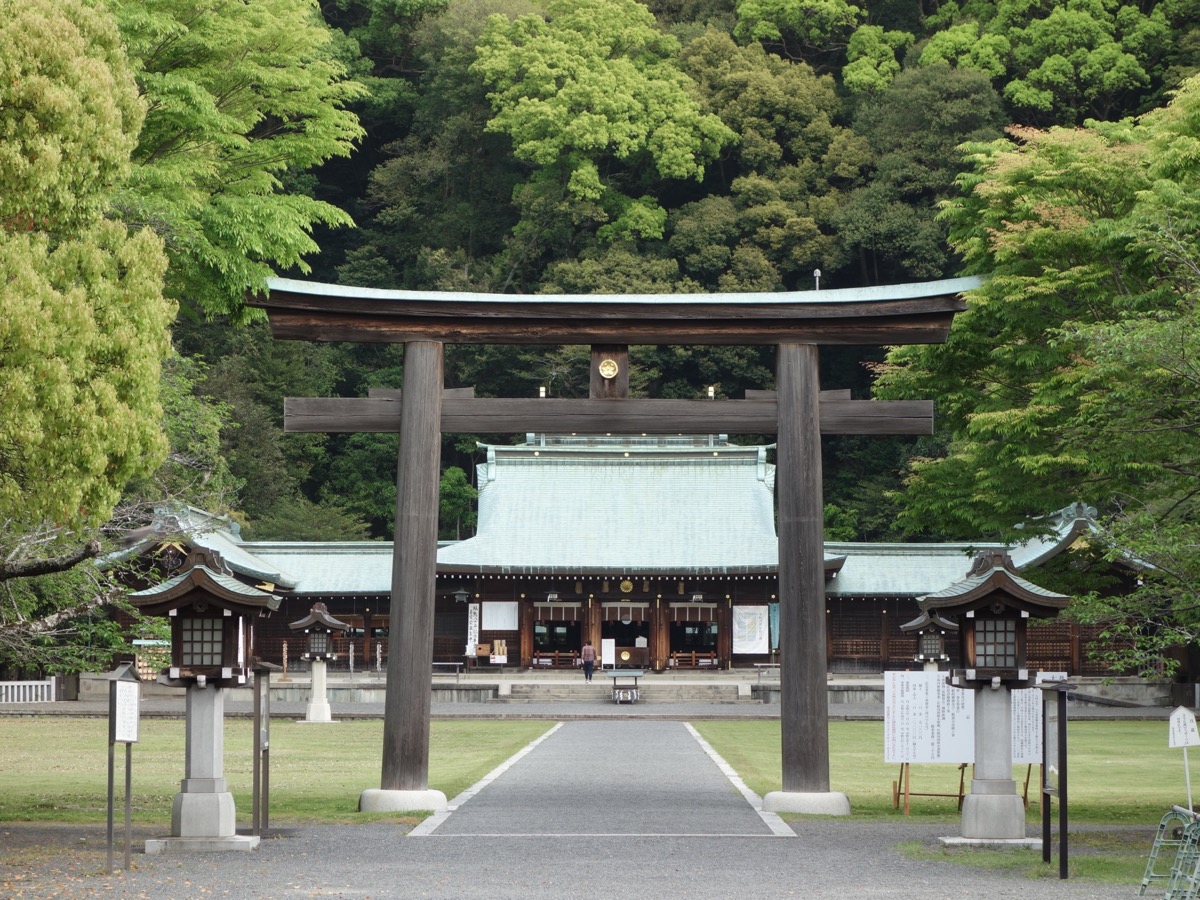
(651, 691)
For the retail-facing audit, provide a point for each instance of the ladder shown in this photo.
(1183, 877)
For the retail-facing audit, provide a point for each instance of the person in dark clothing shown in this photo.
(588, 656)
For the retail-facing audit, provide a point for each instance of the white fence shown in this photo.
(28, 691)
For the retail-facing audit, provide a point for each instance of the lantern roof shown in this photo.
(221, 590)
(929, 618)
(319, 615)
(993, 578)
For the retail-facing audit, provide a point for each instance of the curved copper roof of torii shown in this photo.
(889, 314)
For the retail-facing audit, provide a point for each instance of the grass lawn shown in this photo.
(56, 769)
(1122, 778)
(1119, 772)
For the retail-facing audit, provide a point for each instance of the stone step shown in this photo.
(649, 692)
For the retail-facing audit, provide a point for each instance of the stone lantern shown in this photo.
(319, 625)
(931, 632)
(212, 647)
(993, 606)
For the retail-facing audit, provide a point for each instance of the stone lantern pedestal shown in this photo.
(993, 810)
(203, 816)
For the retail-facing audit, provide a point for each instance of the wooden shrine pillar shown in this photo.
(405, 779)
(804, 707)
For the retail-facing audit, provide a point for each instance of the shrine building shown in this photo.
(662, 550)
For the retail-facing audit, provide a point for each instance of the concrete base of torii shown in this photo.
(379, 800)
(203, 817)
(828, 803)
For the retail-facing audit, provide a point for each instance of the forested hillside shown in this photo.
(611, 145)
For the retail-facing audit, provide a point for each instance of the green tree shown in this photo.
(801, 28)
(588, 86)
(774, 222)
(872, 60)
(240, 98)
(439, 205)
(1063, 63)
(456, 505)
(83, 323)
(1068, 375)
(913, 127)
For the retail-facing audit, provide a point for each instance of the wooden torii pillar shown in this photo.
(796, 323)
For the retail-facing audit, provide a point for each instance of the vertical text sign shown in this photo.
(927, 720)
(125, 712)
(1183, 728)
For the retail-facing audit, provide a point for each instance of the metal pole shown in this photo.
(257, 751)
(111, 752)
(1062, 783)
(266, 757)
(128, 800)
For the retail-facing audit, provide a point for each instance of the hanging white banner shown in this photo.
(500, 616)
(750, 632)
(472, 628)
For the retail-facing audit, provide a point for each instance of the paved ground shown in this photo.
(578, 814)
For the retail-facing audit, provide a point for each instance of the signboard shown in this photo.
(472, 628)
(1183, 728)
(1183, 734)
(926, 720)
(1027, 726)
(125, 712)
(608, 653)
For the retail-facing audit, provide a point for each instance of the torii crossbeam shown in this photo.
(796, 323)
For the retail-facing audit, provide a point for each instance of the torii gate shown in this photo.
(797, 323)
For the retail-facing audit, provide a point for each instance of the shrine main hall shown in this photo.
(664, 546)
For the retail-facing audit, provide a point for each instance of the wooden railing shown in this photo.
(693, 659)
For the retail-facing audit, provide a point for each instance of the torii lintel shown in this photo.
(890, 314)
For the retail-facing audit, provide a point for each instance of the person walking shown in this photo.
(588, 656)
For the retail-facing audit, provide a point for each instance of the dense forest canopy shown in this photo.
(616, 146)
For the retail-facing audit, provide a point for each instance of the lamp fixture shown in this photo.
(462, 595)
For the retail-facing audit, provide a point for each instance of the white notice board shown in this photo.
(125, 711)
(926, 720)
(1027, 726)
(1183, 731)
